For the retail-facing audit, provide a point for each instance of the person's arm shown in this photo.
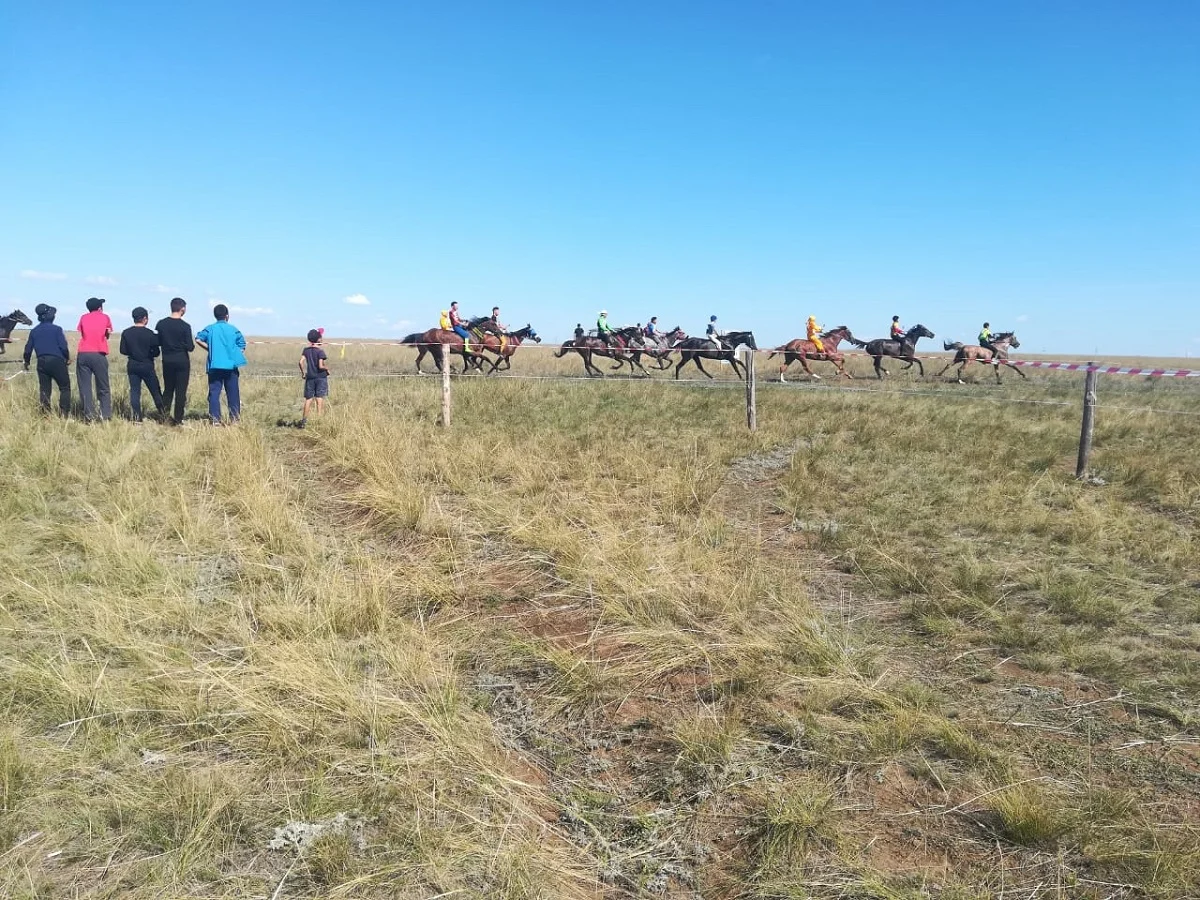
(107, 327)
(124, 348)
(155, 344)
(302, 372)
(201, 339)
(62, 345)
(322, 363)
(191, 344)
(240, 339)
(28, 351)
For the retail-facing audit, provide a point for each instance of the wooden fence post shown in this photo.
(751, 397)
(445, 388)
(1089, 421)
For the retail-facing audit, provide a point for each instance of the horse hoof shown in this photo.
(817, 377)
(960, 381)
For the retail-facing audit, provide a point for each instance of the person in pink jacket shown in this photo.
(91, 360)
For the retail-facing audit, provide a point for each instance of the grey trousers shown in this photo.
(87, 367)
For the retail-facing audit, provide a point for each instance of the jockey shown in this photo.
(985, 337)
(814, 334)
(897, 332)
(500, 330)
(603, 329)
(444, 321)
(456, 325)
(713, 333)
(651, 329)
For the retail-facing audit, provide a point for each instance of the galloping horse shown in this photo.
(694, 349)
(660, 346)
(803, 350)
(435, 342)
(997, 356)
(504, 354)
(904, 349)
(627, 349)
(8, 323)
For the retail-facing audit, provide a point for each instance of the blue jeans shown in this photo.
(228, 379)
(462, 332)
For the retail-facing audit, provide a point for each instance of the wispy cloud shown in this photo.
(1022, 318)
(35, 275)
(160, 289)
(251, 311)
(101, 280)
(357, 300)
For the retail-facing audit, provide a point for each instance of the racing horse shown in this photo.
(905, 349)
(504, 351)
(661, 345)
(803, 350)
(627, 349)
(436, 341)
(8, 323)
(997, 356)
(696, 348)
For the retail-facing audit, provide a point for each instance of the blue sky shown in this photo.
(360, 165)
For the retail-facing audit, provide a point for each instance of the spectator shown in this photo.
(175, 339)
(50, 343)
(140, 344)
(316, 375)
(225, 346)
(91, 360)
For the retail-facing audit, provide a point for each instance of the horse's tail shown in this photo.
(855, 342)
(952, 345)
(566, 348)
(416, 337)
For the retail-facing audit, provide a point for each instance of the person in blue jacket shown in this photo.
(225, 345)
(50, 343)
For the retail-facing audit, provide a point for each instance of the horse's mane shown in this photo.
(1001, 335)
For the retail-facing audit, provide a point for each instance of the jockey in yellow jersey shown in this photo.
(444, 321)
(814, 334)
(897, 332)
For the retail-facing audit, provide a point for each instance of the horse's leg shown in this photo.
(1016, 369)
(943, 372)
(880, 371)
(420, 356)
(684, 356)
(840, 365)
(920, 368)
(700, 367)
(736, 363)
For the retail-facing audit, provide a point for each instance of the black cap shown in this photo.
(139, 313)
(94, 303)
(41, 309)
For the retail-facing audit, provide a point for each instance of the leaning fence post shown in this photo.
(751, 397)
(445, 388)
(1089, 420)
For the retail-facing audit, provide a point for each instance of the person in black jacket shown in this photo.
(140, 344)
(175, 339)
(50, 343)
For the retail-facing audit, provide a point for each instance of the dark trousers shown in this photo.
(143, 373)
(87, 367)
(228, 379)
(53, 370)
(176, 374)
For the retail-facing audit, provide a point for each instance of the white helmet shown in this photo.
(604, 312)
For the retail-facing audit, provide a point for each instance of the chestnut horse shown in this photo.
(504, 353)
(804, 350)
(997, 356)
(626, 348)
(435, 342)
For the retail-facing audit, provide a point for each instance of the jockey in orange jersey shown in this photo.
(814, 334)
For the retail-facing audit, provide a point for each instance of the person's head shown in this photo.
(45, 312)
(454, 304)
(654, 320)
(94, 303)
(178, 305)
(987, 325)
(604, 313)
(314, 336)
(712, 318)
(140, 315)
(495, 312)
(221, 311)
(895, 318)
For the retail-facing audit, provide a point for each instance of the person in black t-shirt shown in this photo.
(316, 375)
(140, 344)
(175, 338)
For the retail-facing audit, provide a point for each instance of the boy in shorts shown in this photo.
(316, 375)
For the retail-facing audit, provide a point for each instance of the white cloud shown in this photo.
(35, 275)
(250, 310)
(1022, 318)
(357, 300)
(101, 280)
(161, 289)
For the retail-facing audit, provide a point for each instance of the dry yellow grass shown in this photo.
(596, 639)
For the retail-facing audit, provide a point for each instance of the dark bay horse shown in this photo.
(803, 350)
(695, 348)
(905, 349)
(997, 356)
(8, 323)
(504, 352)
(626, 348)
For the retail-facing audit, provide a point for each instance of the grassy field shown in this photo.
(598, 640)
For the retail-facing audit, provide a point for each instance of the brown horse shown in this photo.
(625, 348)
(804, 350)
(997, 356)
(505, 352)
(436, 342)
